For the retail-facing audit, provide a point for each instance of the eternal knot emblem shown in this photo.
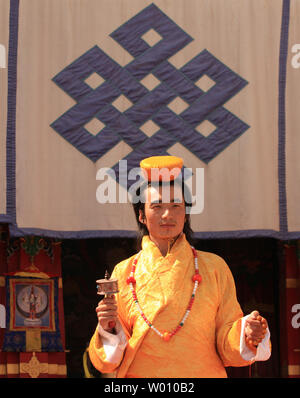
(149, 105)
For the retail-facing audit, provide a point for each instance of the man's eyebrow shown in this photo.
(175, 200)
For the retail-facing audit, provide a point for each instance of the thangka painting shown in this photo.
(32, 304)
(32, 315)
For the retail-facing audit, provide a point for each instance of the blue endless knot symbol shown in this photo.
(149, 104)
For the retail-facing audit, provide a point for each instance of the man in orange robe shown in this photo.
(214, 334)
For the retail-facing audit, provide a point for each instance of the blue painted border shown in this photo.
(95, 234)
(4, 218)
(284, 36)
(10, 217)
(11, 113)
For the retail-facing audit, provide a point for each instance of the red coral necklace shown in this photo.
(196, 279)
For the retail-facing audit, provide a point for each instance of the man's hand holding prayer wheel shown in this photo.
(107, 313)
(256, 328)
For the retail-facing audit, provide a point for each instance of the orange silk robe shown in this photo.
(210, 337)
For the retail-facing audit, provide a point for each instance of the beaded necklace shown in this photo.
(196, 279)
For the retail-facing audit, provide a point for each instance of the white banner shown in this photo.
(99, 82)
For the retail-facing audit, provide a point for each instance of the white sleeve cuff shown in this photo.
(263, 351)
(113, 344)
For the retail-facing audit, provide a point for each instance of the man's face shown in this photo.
(164, 212)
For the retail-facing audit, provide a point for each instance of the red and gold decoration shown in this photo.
(32, 343)
(291, 345)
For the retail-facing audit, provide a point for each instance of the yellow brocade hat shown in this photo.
(161, 168)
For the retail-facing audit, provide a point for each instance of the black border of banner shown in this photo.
(281, 116)
(11, 113)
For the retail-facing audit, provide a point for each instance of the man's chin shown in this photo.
(169, 234)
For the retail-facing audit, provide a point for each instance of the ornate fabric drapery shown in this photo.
(215, 82)
(32, 341)
(291, 334)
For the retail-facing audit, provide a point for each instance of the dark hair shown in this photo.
(139, 205)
